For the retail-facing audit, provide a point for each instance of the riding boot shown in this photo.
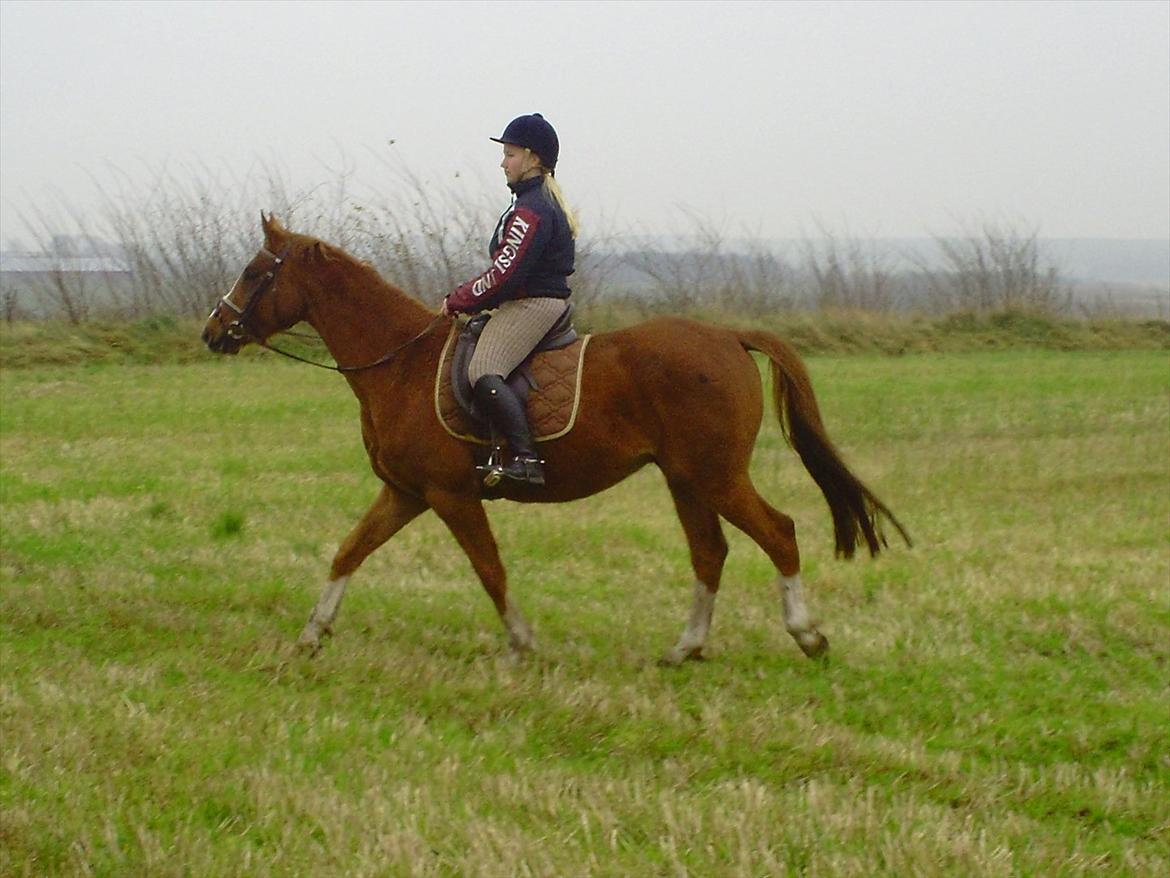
(504, 410)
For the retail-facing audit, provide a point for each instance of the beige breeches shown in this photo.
(509, 337)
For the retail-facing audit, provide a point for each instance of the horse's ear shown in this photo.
(271, 227)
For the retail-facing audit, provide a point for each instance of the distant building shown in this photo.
(24, 264)
(48, 284)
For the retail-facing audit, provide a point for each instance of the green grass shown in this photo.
(166, 340)
(997, 703)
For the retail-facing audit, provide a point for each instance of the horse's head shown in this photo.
(265, 298)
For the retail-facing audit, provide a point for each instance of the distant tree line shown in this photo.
(180, 240)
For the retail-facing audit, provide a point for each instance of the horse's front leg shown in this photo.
(389, 513)
(468, 522)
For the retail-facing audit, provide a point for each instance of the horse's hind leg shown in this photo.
(708, 552)
(775, 533)
(388, 514)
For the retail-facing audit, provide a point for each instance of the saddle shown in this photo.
(547, 382)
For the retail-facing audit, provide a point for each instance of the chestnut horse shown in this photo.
(677, 393)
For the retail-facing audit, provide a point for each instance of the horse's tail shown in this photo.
(856, 511)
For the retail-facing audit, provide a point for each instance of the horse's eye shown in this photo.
(250, 273)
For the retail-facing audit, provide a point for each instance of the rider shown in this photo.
(532, 252)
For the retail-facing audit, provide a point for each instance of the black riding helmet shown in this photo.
(534, 133)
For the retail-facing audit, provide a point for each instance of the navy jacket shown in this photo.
(532, 253)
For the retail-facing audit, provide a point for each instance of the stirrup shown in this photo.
(492, 471)
(524, 470)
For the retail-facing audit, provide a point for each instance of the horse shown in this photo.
(684, 395)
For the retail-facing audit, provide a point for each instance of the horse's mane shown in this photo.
(307, 247)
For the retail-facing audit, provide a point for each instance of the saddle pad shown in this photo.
(552, 404)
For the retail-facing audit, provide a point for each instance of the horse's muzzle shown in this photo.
(219, 340)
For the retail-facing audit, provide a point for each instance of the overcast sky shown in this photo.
(885, 119)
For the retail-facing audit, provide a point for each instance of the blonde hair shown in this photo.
(553, 188)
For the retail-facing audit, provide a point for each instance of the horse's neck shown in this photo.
(360, 317)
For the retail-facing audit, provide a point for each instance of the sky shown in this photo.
(770, 119)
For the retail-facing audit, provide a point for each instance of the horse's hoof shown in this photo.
(310, 641)
(521, 647)
(312, 637)
(676, 657)
(813, 644)
(518, 655)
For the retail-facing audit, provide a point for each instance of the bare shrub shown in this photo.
(760, 280)
(1114, 302)
(425, 235)
(703, 268)
(181, 236)
(10, 304)
(996, 267)
(847, 273)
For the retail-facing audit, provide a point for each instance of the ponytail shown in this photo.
(553, 188)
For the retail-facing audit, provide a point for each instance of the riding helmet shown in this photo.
(534, 133)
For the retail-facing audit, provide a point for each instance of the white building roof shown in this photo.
(40, 263)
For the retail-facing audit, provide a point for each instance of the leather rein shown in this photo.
(239, 331)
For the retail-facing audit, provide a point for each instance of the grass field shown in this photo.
(997, 702)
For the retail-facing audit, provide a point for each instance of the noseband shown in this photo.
(236, 328)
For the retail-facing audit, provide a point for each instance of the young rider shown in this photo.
(532, 252)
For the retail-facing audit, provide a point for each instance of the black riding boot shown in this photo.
(505, 412)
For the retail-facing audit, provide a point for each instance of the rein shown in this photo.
(382, 360)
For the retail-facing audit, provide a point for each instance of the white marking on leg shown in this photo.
(321, 619)
(520, 636)
(797, 620)
(694, 636)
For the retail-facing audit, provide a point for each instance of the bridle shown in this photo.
(236, 329)
(239, 331)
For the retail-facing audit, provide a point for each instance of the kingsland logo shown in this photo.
(517, 229)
